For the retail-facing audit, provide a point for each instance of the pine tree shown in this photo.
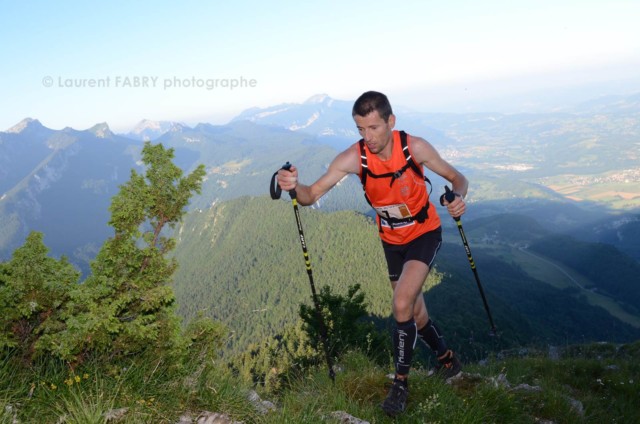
(346, 320)
(126, 305)
(33, 290)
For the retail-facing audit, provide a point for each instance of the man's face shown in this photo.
(375, 131)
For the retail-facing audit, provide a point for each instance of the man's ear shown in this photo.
(392, 121)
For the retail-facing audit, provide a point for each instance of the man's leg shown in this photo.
(405, 292)
(430, 334)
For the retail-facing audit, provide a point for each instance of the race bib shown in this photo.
(398, 211)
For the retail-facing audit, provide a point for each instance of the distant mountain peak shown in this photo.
(149, 125)
(101, 130)
(24, 124)
(177, 127)
(318, 98)
(319, 115)
(148, 129)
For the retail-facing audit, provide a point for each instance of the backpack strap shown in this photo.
(407, 155)
(416, 168)
(364, 168)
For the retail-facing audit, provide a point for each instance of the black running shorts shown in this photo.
(423, 249)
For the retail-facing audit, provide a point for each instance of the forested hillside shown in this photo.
(611, 272)
(241, 263)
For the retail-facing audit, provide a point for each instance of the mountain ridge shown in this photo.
(479, 144)
(61, 181)
(604, 104)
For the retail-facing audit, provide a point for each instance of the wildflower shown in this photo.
(68, 382)
(53, 386)
(85, 376)
(77, 378)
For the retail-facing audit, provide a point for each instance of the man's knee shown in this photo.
(403, 306)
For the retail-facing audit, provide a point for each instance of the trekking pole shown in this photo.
(450, 196)
(276, 191)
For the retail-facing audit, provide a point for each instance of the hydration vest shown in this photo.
(422, 215)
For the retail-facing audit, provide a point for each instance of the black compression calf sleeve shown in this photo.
(431, 335)
(404, 340)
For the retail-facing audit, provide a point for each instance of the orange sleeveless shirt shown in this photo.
(406, 196)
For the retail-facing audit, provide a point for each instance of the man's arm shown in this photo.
(347, 162)
(423, 152)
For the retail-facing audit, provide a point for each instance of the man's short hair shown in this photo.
(370, 101)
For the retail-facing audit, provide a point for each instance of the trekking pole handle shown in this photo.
(448, 195)
(274, 188)
(287, 167)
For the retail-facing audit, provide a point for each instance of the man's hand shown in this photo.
(457, 207)
(454, 203)
(288, 179)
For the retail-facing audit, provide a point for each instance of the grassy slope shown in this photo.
(584, 384)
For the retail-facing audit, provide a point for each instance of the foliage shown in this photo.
(204, 338)
(34, 288)
(584, 384)
(126, 305)
(345, 320)
(274, 361)
(506, 390)
(141, 389)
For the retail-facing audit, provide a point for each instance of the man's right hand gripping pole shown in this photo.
(288, 179)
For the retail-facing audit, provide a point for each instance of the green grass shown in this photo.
(603, 378)
(89, 404)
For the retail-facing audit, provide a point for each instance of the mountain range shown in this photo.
(571, 177)
(60, 182)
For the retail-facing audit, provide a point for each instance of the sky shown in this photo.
(79, 63)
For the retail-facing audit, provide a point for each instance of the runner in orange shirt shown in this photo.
(390, 166)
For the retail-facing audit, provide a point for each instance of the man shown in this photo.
(408, 223)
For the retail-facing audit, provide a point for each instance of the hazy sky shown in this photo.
(78, 63)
